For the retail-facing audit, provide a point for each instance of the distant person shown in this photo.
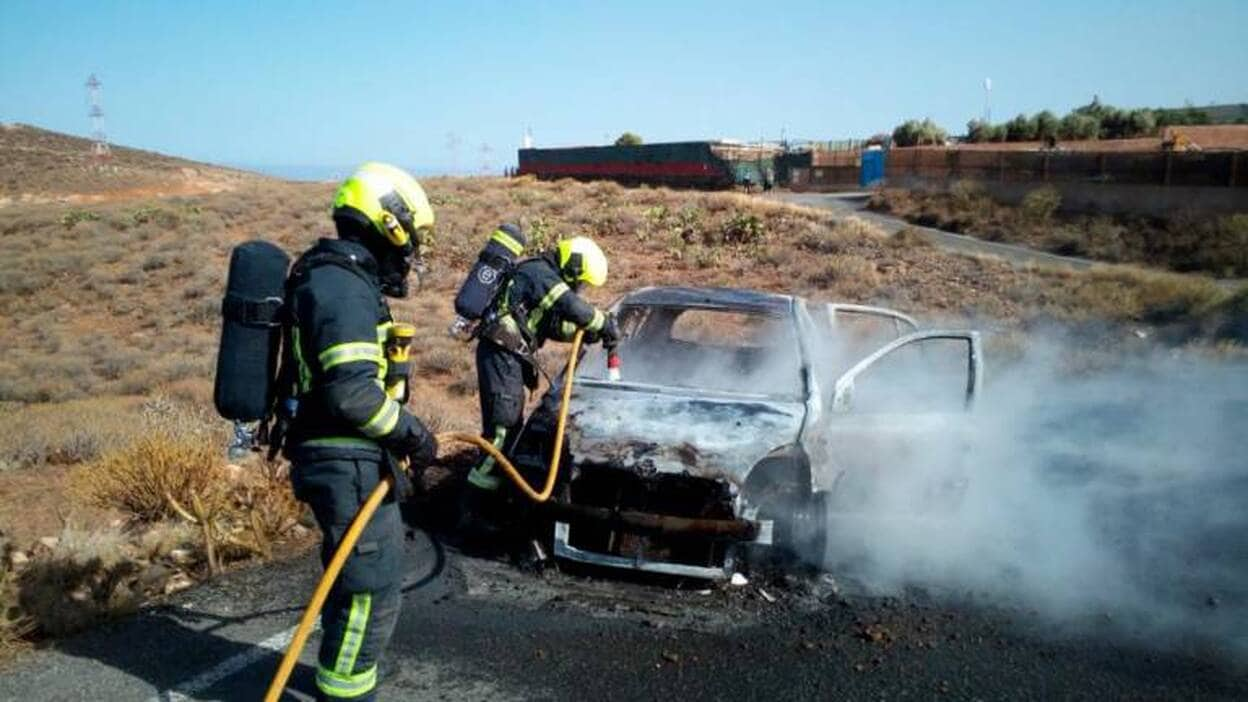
(538, 302)
(347, 434)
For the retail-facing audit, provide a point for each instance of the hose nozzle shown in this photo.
(613, 364)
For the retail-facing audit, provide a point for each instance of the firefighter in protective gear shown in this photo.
(537, 303)
(346, 434)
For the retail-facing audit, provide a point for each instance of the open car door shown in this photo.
(843, 389)
(897, 424)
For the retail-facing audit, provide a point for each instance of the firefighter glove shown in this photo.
(418, 446)
(610, 334)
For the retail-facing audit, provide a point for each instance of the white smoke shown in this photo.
(1108, 495)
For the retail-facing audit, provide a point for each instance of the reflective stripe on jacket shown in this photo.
(539, 305)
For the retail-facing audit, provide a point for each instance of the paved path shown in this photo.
(475, 629)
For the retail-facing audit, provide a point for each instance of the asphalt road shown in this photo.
(477, 629)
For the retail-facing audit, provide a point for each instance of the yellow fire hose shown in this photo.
(379, 493)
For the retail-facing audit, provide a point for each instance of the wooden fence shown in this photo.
(1177, 168)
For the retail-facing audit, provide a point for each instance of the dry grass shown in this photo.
(1126, 293)
(444, 361)
(1185, 242)
(64, 432)
(848, 275)
(144, 317)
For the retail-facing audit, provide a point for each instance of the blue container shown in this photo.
(872, 168)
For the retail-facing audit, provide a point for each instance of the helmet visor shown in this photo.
(394, 203)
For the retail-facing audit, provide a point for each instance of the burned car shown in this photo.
(728, 430)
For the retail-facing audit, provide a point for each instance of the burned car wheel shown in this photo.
(780, 491)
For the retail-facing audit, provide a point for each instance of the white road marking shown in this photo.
(187, 689)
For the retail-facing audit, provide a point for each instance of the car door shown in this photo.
(896, 423)
(839, 313)
(847, 332)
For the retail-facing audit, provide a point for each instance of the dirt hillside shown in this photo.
(42, 166)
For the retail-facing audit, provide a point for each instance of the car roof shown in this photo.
(721, 298)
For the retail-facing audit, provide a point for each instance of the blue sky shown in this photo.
(332, 83)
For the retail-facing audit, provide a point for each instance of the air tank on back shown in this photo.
(481, 286)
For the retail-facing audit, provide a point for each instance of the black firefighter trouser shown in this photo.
(501, 379)
(363, 606)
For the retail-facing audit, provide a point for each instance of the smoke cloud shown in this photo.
(1112, 494)
(1097, 488)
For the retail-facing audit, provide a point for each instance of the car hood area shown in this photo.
(649, 430)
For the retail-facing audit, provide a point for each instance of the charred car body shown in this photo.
(728, 429)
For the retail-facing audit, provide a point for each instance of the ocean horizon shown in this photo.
(313, 172)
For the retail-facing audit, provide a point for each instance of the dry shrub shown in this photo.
(42, 377)
(243, 515)
(90, 575)
(176, 470)
(861, 231)
(138, 478)
(966, 194)
(162, 414)
(1167, 297)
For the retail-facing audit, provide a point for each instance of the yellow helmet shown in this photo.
(580, 260)
(390, 200)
